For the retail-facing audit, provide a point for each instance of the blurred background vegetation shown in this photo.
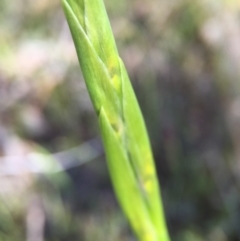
(183, 58)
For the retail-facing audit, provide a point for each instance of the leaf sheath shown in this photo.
(123, 130)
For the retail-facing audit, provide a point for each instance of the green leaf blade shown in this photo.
(122, 126)
(100, 86)
(120, 169)
(141, 154)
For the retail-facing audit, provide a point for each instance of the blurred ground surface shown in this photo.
(183, 58)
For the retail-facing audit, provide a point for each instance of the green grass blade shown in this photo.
(125, 183)
(122, 126)
(140, 155)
